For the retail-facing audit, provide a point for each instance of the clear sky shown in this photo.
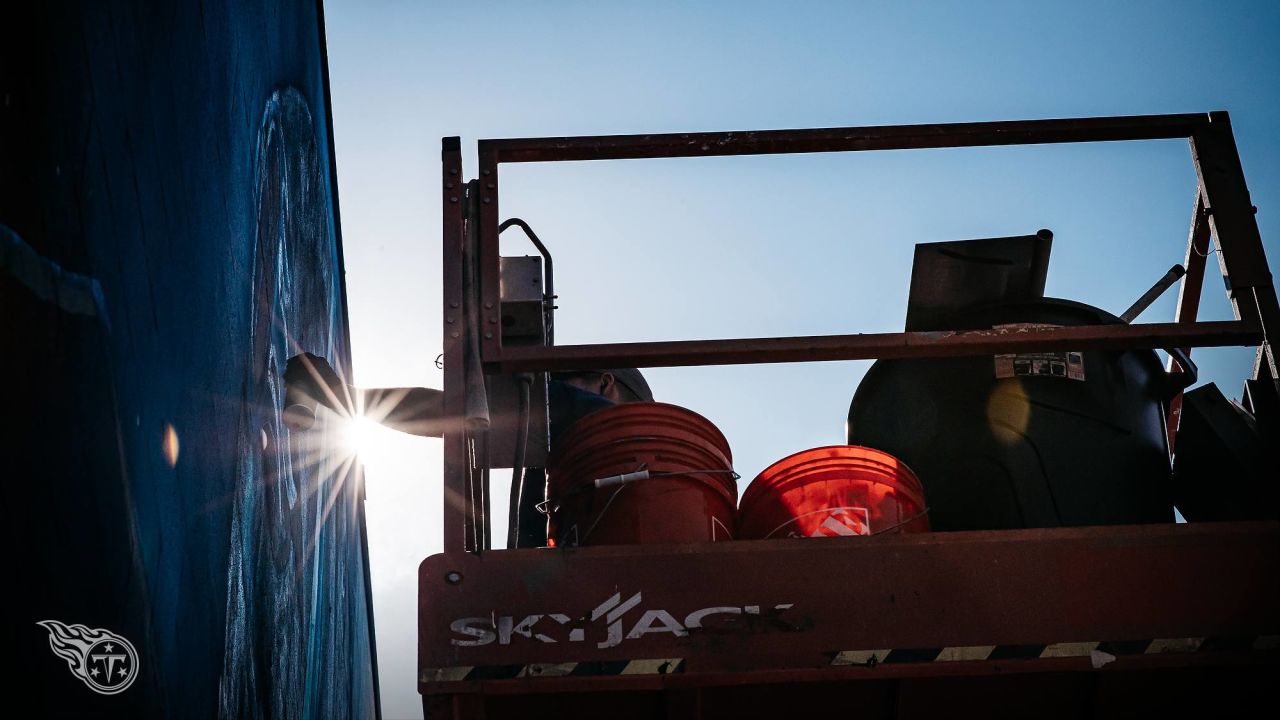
(743, 247)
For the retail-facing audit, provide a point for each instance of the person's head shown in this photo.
(621, 385)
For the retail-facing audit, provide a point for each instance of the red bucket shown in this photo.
(641, 473)
(833, 491)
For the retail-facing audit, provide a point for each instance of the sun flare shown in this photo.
(367, 439)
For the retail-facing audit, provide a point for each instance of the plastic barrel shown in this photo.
(840, 490)
(690, 495)
(1026, 440)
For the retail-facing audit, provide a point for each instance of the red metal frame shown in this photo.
(814, 600)
(1213, 151)
(456, 511)
(1189, 295)
(1045, 586)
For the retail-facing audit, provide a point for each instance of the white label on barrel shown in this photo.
(845, 521)
(1068, 364)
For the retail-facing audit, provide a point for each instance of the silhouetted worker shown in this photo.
(310, 381)
(618, 385)
(574, 395)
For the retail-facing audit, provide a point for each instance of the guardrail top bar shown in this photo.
(888, 137)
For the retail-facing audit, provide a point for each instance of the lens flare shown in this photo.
(368, 440)
(169, 445)
(1008, 411)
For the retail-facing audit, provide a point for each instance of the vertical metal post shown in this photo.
(476, 397)
(487, 257)
(457, 509)
(1235, 230)
(1189, 296)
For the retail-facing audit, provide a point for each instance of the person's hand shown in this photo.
(310, 381)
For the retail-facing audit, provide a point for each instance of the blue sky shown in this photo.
(741, 247)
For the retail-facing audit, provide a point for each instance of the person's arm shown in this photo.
(311, 382)
(415, 410)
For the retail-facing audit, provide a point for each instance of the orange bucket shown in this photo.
(833, 491)
(638, 474)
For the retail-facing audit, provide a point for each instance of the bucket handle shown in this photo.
(891, 528)
(600, 515)
(716, 521)
(621, 482)
(899, 524)
(622, 479)
(643, 474)
(551, 505)
(640, 473)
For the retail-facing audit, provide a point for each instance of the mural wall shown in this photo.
(168, 237)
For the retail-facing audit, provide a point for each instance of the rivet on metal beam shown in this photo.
(486, 172)
(487, 200)
(449, 320)
(453, 334)
(488, 306)
(488, 336)
(453, 304)
(453, 199)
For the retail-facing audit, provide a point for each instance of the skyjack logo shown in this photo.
(558, 627)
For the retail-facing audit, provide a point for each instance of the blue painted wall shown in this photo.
(171, 236)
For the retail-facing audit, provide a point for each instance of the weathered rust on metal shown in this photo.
(456, 514)
(889, 137)
(1230, 661)
(1235, 229)
(790, 606)
(490, 273)
(1213, 149)
(919, 591)
(872, 345)
(1189, 296)
(1229, 207)
(895, 694)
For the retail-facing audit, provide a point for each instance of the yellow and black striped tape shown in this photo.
(1101, 652)
(647, 666)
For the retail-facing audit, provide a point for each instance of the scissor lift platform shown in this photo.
(1097, 613)
(1061, 622)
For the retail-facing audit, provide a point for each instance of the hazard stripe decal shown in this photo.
(1100, 653)
(645, 666)
(913, 655)
(1017, 652)
(965, 653)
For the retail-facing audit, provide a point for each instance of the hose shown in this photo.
(517, 464)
